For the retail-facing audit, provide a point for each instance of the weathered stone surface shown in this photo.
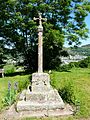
(41, 101)
(12, 114)
(41, 97)
(51, 95)
(40, 82)
(22, 96)
(35, 105)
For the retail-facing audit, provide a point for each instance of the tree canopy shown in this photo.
(65, 22)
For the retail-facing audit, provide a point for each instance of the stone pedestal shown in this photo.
(40, 82)
(42, 96)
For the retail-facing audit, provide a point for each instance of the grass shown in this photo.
(78, 82)
(4, 85)
(79, 79)
(51, 118)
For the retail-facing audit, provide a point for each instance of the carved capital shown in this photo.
(40, 29)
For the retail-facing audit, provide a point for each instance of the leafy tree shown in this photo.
(65, 22)
(2, 53)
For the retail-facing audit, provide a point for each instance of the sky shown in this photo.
(87, 20)
(84, 42)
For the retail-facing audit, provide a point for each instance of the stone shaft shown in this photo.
(40, 43)
(40, 49)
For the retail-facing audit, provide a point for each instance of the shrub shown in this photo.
(67, 93)
(71, 65)
(62, 68)
(83, 64)
(9, 69)
(23, 84)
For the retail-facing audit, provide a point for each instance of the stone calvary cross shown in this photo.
(40, 43)
(41, 99)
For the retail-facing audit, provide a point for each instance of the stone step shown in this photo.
(36, 106)
(51, 95)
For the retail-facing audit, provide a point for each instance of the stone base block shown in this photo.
(40, 82)
(41, 97)
(40, 101)
(50, 95)
(11, 114)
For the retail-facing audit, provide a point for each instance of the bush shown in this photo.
(9, 69)
(71, 65)
(62, 68)
(74, 64)
(83, 64)
(67, 93)
(23, 84)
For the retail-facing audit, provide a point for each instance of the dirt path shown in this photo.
(9, 114)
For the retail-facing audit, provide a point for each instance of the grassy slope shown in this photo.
(4, 85)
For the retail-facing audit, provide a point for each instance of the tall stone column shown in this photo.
(40, 43)
(40, 49)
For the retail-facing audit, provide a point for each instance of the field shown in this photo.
(74, 87)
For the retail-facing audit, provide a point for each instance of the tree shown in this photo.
(65, 22)
(2, 53)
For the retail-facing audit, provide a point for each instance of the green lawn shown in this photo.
(79, 80)
(22, 80)
(76, 80)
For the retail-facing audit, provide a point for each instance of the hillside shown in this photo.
(83, 50)
(86, 46)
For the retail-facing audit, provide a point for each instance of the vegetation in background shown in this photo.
(9, 69)
(84, 50)
(81, 64)
(65, 21)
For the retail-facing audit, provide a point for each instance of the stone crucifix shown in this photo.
(40, 43)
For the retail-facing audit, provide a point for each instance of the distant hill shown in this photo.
(86, 46)
(83, 50)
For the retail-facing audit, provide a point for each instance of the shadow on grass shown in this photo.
(66, 71)
(17, 73)
(63, 70)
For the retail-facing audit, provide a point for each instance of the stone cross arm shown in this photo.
(40, 19)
